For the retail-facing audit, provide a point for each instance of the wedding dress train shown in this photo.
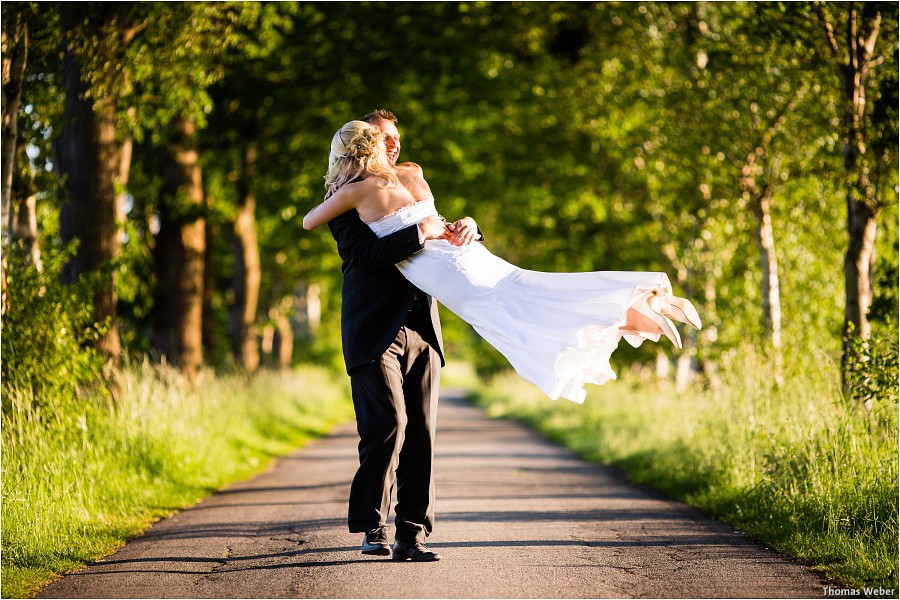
(557, 330)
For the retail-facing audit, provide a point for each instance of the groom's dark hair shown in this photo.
(380, 114)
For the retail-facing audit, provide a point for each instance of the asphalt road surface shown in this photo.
(517, 517)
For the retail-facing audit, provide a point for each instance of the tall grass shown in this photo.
(81, 479)
(797, 467)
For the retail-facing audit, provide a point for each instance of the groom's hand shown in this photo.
(432, 228)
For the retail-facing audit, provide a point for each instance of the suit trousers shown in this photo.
(395, 399)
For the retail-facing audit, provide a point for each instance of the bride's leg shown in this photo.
(642, 314)
(637, 323)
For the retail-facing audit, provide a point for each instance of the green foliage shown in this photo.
(886, 295)
(78, 485)
(797, 467)
(872, 371)
(580, 136)
(46, 331)
(155, 61)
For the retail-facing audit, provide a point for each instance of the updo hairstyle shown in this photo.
(355, 150)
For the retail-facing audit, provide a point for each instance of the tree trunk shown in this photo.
(757, 174)
(25, 229)
(278, 336)
(247, 273)
(862, 210)
(684, 371)
(15, 58)
(89, 158)
(313, 306)
(125, 151)
(180, 252)
(662, 365)
(267, 343)
(210, 331)
(283, 343)
(23, 212)
(710, 333)
(684, 364)
(308, 306)
(852, 64)
(771, 286)
(858, 264)
(862, 213)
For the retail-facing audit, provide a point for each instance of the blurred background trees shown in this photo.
(165, 154)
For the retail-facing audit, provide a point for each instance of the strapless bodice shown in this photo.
(403, 217)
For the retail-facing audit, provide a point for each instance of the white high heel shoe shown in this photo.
(681, 310)
(662, 321)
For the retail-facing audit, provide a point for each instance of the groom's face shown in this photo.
(391, 138)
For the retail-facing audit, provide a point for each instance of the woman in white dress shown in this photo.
(558, 330)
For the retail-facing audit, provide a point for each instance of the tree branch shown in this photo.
(129, 34)
(829, 30)
(852, 38)
(873, 35)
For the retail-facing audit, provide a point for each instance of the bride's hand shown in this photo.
(432, 228)
(463, 231)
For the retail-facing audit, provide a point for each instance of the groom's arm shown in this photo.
(359, 245)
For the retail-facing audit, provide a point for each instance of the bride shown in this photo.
(558, 330)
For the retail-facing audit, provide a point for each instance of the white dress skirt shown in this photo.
(557, 330)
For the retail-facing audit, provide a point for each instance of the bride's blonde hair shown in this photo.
(354, 151)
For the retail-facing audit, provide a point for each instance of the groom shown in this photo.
(393, 352)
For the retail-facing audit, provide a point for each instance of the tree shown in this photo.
(89, 150)
(863, 28)
(186, 42)
(581, 136)
(15, 59)
(247, 268)
(254, 72)
(759, 93)
(180, 251)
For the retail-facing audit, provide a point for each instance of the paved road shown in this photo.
(517, 517)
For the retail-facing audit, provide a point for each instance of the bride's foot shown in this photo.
(665, 325)
(679, 309)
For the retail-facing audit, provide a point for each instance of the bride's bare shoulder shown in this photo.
(363, 186)
(410, 168)
(355, 193)
(410, 174)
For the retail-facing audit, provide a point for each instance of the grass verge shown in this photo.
(797, 467)
(80, 480)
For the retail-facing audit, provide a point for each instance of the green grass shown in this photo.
(798, 468)
(79, 480)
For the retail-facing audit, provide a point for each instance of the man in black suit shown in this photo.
(393, 351)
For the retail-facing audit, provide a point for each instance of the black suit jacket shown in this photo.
(376, 299)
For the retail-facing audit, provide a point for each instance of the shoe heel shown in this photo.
(665, 325)
(682, 310)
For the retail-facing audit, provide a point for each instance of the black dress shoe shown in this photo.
(375, 542)
(416, 552)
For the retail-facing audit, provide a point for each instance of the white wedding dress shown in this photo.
(558, 330)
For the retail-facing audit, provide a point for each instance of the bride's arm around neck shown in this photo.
(373, 198)
(345, 199)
